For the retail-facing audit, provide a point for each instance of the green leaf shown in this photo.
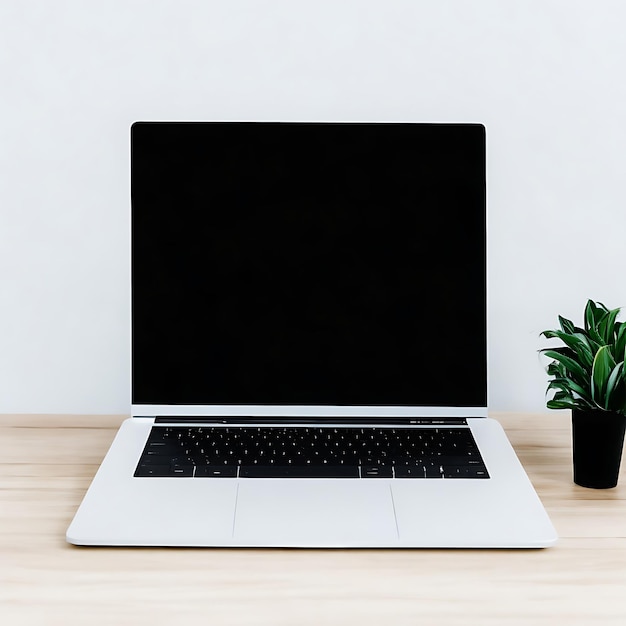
(620, 341)
(577, 342)
(590, 319)
(556, 369)
(593, 316)
(603, 365)
(596, 336)
(575, 369)
(563, 398)
(593, 344)
(606, 326)
(561, 350)
(616, 388)
(562, 404)
(549, 334)
(588, 343)
(567, 384)
(561, 386)
(566, 325)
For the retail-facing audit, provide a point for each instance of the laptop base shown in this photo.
(500, 512)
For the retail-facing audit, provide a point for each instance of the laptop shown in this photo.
(309, 345)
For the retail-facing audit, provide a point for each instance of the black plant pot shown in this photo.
(598, 439)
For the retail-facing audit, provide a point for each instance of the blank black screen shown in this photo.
(308, 263)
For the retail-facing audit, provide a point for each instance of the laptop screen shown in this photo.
(308, 264)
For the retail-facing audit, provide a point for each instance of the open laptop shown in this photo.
(309, 345)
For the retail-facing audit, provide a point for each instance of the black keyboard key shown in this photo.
(454, 461)
(465, 472)
(158, 453)
(409, 471)
(216, 471)
(159, 459)
(145, 470)
(376, 471)
(181, 470)
(299, 471)
(433, 470)
(156, 446)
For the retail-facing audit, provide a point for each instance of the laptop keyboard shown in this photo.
(310, 452)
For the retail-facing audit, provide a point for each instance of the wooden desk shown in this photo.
(46, 465)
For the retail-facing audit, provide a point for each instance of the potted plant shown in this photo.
(588, 377)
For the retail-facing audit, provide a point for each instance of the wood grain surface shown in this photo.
(47, 463)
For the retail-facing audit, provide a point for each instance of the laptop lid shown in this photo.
(308, 269)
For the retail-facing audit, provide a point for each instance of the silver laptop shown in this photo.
(309, 345)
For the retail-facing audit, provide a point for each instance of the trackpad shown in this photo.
(315, 513)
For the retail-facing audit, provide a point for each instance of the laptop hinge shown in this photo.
(387, 421)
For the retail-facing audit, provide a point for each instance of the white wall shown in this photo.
(545, 76)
